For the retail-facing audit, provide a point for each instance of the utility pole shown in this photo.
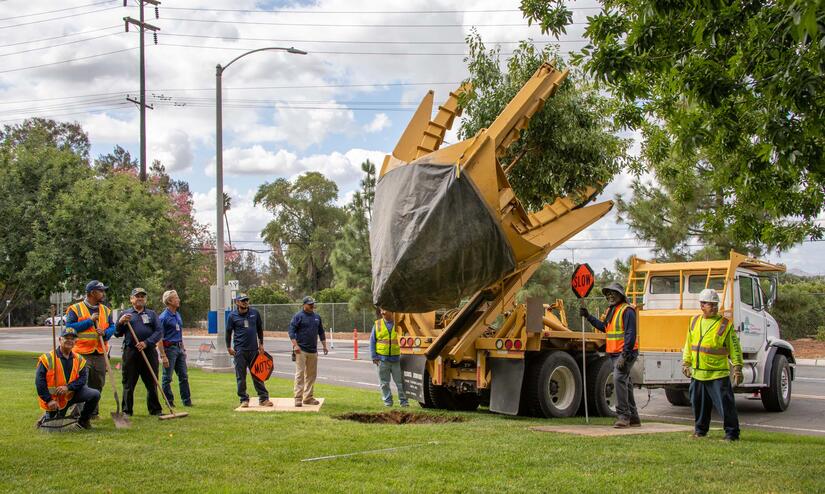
(143, 26)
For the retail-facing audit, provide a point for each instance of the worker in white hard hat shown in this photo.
(711, 342)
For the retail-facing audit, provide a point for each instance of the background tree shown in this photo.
(119, 160)
(569, 145)
(728, 98)
(268, 294)
(307, 223)
(351, 259)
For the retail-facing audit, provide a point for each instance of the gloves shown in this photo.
(583, 312)
(621, 364)
(737, 375)
(686, 370)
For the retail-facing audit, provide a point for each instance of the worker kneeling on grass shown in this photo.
(61, 381)
(386, 354)
(623, 349)
(711, 340)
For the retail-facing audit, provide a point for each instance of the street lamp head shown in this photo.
(296, 51)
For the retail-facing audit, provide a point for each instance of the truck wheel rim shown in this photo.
(786, 385)
(610, 393)
(561, 387)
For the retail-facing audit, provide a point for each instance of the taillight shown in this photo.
(508, 344)
(517, 345)
(499, 344)
(418, 342)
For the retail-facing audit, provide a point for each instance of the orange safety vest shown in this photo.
(56, 377)
(615, 330)
(87, 340)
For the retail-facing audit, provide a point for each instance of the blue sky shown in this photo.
(347, 100)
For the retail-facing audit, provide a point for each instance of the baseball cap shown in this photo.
(95, 285)
(241, 297)
(67, 331)
(309, 300)
(136, 291)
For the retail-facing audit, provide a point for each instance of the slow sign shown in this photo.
(583, 280)
(262, 366)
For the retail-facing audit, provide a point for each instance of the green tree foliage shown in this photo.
(307, 223)
(800, 306)
(119, 160)
(568, 146)
(351, 260)
(728, 97)
(71, 225)
(268, 294)
(334, 295)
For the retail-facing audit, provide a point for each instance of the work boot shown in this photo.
(622, 423)
(298, 402)
(266, 403)
(729, 439)
(312, 401)
(696, 435)
(85, 423)
(245, 404)
(635, 422)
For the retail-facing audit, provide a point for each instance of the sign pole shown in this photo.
(582, 283)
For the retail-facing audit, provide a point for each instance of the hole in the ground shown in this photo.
(399, 417)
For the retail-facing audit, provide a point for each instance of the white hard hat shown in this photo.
(709, 295)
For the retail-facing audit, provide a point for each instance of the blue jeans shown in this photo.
(385, 371)
(243, 362)
(86, 396)
(718, 393)
(177, 364)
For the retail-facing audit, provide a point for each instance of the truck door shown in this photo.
(749, 313)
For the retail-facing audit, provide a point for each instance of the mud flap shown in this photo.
(505, 390)
(412, 369)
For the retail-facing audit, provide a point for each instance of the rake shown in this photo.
(172, 414)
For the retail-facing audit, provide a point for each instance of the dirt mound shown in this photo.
(808, 348)
(398, 417)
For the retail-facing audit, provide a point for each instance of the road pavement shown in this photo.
(806, 415)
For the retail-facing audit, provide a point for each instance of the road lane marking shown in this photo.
(810, 379)
(808, 397)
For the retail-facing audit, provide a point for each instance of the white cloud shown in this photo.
(175, 152)
(380, 122)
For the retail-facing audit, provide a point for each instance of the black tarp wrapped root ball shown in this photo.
(433, 239)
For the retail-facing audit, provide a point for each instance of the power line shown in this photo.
(66, 61)
(60, 44)
(311, 24)
(324, 52)
(57, 10)
(282, 11)
(370, 42)
(59, 37)
(58, 18)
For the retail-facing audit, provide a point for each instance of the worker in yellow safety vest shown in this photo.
(386, 355)
(93, 323)
(623, 349)
(60, 381)
(711, 341)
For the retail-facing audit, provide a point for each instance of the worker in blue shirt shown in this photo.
(248, 330)
(148, 331)
(60, 380)
(386, 355)
(304, 331)
(173, 351)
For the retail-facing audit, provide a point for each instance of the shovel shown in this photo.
(120, 419)
(172, 414)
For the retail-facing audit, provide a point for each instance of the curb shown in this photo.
(811, 362)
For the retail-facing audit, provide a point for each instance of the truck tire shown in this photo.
(555, 386)
(427, 403)
(777, 396)
(601, 393)
(439, 396)
(678, 397)
(466, 402)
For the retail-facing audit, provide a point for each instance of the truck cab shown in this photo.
(667, 298)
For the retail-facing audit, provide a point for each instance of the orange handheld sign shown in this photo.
(583, 280)
(263, 366)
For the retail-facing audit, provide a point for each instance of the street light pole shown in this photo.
(221, 358)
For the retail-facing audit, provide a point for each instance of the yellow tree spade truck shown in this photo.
(448, 231)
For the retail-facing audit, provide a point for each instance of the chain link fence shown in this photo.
(336, 317)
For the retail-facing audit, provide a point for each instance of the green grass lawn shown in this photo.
(216, 449)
